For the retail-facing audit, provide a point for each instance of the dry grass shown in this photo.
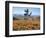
(26, 25)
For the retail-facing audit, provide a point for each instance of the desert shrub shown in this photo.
(33, 28)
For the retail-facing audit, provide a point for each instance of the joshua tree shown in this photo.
(30, 14)
(27, 11)
(26, 14)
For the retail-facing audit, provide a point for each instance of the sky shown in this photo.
(20, 10)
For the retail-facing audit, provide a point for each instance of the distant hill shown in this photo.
(17, 17)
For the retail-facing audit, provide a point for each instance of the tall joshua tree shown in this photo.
(27, 11)
(26, 14)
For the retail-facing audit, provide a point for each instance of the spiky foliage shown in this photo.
(27, 11)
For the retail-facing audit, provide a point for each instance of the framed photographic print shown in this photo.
(24, 18)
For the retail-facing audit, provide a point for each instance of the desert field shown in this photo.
(26, 24)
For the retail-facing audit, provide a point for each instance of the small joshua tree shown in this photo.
(30, 14)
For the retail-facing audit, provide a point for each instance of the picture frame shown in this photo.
(16, 5)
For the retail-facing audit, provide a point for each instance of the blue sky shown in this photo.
(20, 10)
